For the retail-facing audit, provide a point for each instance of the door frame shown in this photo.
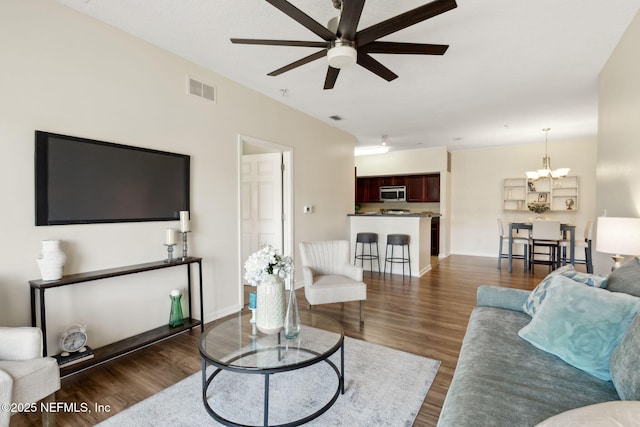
(287, 199)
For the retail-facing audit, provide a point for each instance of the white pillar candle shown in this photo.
(170, 237)
(184, 221)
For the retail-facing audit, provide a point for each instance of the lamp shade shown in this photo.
(619, 236)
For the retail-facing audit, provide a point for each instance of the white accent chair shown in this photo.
(329, 277)
(26, 376)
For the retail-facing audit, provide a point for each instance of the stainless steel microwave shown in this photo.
(393, 193)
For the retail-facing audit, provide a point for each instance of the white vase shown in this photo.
(270, 305)
(51, 261)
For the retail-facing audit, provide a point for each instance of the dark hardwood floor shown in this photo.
(426, 316)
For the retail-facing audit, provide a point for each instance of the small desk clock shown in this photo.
(73, 339)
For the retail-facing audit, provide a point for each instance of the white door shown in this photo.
(261, 202)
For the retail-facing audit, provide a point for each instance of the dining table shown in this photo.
(566, 229)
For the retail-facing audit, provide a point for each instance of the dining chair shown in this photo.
(517, 240)
(545, 235)
(586, 244)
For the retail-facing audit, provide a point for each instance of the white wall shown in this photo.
(477, 189)
(67, 73)
(403, 162)
(618, 171)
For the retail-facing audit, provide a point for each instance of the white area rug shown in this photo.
(383, 387)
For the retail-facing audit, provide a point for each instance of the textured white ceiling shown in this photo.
(513, 66)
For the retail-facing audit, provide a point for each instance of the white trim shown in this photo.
(287, 198)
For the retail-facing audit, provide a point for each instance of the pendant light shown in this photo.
(546, 170)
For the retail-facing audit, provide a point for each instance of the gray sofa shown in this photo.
(503, 380)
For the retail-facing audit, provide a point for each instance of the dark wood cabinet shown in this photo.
(392, 180)
(420, 188)
(435, 236)
(368, 189)
(415, 188)
(361, 190)
(432, 187)
(423, 188)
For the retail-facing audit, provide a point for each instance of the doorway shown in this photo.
(266, 198)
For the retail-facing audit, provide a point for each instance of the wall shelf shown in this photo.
(560, 194)
(127, 345)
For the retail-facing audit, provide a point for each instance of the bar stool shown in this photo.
(394, 240)
(369, 238)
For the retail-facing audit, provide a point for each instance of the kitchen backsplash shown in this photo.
(413, 207)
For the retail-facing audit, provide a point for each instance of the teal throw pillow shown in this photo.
(537, 296)
(581, 325)
(592, 280)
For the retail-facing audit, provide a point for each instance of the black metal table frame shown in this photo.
(527, 226)
(322, 357)
(40, 286)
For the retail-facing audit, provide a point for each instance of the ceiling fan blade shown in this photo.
(332, 75)
(351, 12)
(303, 19)
(299, 62)
(375, 67)
(405, 48)
(404, 20)
(279, 42)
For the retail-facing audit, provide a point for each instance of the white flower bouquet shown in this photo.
(267, 261)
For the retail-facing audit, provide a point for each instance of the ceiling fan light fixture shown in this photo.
(342, 54)
(332, 24)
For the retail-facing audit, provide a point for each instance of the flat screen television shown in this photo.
(82, 181)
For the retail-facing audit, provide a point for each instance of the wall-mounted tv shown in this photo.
(82, 181)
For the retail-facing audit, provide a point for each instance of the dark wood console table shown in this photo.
(119, 348)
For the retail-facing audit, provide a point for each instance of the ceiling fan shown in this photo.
(344, 45)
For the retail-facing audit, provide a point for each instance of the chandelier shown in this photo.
(546, 170)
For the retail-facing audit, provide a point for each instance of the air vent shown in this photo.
(197, 88)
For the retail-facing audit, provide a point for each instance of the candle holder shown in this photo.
(185, 250)
(169, 252)
(252, 306)
(252, 336)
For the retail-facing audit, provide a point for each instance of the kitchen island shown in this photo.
(417, 226)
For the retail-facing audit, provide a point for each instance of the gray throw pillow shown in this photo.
(626, 278)
(624, 363)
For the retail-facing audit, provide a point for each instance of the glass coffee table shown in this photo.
(234, 346)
